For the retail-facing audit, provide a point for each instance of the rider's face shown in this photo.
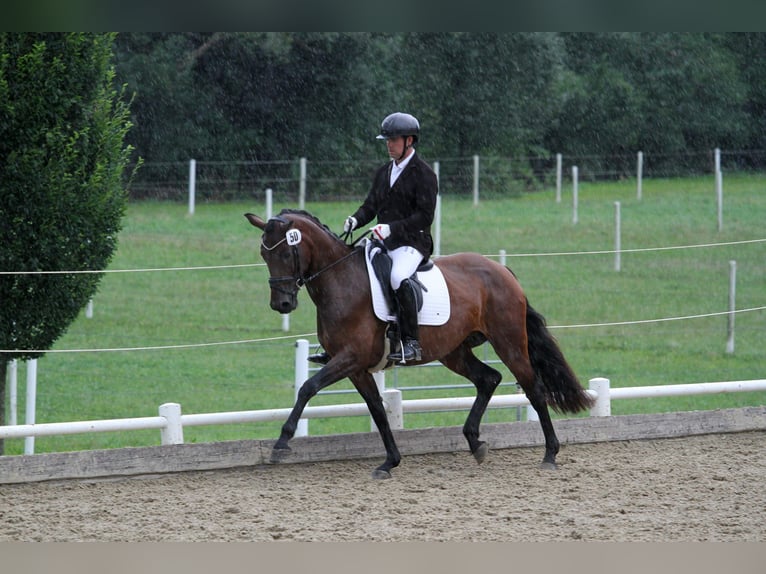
(396, 146)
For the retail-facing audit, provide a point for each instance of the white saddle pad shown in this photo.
(436, 307)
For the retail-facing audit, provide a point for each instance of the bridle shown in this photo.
(298, 279)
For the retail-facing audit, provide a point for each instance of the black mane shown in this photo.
(313, 218)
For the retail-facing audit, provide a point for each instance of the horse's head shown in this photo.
(281, 250)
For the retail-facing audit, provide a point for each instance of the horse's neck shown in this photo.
(341, 273)
(325, 252)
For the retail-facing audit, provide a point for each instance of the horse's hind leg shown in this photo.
(486, 379)
(365, 384)
(517, 360)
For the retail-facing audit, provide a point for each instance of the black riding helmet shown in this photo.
(399, 124)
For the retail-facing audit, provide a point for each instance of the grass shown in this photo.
(203, 306)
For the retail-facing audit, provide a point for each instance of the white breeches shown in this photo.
(405, 260)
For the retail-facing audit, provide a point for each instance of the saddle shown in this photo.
(431, 288)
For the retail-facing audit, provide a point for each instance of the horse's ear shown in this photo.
(255, 220)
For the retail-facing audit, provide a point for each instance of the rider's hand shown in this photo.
(350, 224)
(381, 230)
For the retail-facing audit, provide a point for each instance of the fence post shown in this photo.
(302, 191)
(617, 236)
(31, 410)
(13, 384)
(392, 401)
(732, 306)
(192, 184)
(301, 375)
(603, 405)
(558, 178)
(719, 187)
(574, 194)
(475, 180)
(437, 216)
(639, 175)
(173, 432)
(89, 309)
(269, 203)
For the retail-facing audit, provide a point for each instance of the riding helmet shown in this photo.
(399, 124)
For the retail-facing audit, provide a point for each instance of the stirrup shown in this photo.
(409, 351)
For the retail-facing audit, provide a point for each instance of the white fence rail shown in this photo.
(171, 422)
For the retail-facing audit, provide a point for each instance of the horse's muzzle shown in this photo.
(284, 304)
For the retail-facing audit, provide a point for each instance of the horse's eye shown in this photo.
(285, 255)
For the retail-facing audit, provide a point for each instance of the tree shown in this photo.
(62, 192)
(665, 94)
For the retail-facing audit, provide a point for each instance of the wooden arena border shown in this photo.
(134, 461)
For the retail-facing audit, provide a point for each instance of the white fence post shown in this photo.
(173, 432)
(558, 178)
(192, 184)
(639, 175)
(89, 309)
(732, 305)
(269, 203)
(603, 405)
(13, 384)
(392, 401)
(31, 409)
(574, 194)
(617, 236)
(302, 191)
(719, 187)
(301, 375)
(437, 216)
(475, 180)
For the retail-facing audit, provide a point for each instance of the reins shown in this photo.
(303, 281)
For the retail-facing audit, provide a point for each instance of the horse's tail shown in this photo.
(563, 391)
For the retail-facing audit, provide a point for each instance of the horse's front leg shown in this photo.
(329, 374)
(365, 384)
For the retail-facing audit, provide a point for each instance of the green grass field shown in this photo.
(163, 308)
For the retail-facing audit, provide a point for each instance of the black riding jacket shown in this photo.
(408, 207)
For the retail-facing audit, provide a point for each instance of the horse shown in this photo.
(487, 304)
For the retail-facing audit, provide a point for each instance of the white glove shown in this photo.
(381, 230)
(350, 224)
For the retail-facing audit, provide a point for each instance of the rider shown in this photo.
(403, 198)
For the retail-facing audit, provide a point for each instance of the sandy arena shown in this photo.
(702, 488)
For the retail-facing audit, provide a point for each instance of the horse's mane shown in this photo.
(311, 217)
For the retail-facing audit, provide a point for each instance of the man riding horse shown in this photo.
(403, 198)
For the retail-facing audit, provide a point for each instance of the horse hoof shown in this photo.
(379, 474)
(548, 466)
(481, 452)
(280, 454)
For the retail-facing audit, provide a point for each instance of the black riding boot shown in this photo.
(322, 358)
(407, 316)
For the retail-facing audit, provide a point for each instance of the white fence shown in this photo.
(171, 422)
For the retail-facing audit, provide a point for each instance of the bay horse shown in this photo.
(487, 304)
